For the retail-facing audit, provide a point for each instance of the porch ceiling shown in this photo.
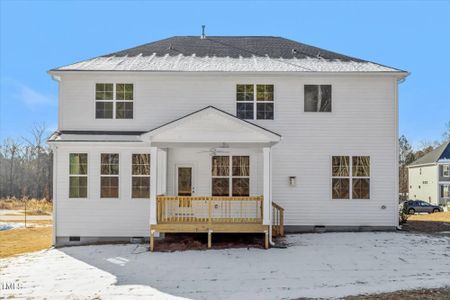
(211, 125)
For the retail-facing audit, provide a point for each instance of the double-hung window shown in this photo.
(109, 175)
(317, 98)
(230, 175)
(140, 179)
(255, 101)
(78, 175)
(350, 177)
(446, 170)
(114, 101)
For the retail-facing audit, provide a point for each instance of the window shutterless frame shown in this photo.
(73, 175)
(114, 100)
(445, 170)
(230, 175)
(139, 176)
(255, 101)
(331, 95)
(350, 177)
(110, 174)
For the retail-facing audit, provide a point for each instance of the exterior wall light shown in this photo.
(292, 180)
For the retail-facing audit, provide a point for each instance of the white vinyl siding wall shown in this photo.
(363, 122)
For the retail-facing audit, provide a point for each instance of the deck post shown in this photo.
(209, 238)
(266, 239)
(152, 239)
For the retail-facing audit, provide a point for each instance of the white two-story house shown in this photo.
(224, 134)
(429, 177)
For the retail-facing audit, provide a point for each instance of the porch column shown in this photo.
(162, 172)
(153, 183)
(267, 163)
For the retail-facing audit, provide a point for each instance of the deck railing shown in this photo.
(209, 209)
(277, 220)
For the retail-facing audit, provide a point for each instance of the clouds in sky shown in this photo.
(30, 97)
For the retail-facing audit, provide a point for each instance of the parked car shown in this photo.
(419, 206)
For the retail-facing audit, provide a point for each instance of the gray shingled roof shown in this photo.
(227, 53)
(232, 46)
(440, 153)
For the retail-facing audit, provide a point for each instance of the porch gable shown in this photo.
(211, 125)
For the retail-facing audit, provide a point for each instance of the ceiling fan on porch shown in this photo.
(213, 151)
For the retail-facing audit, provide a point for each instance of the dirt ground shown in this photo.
(179, 242)
(424, 294)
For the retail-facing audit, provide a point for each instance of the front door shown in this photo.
(184, 179)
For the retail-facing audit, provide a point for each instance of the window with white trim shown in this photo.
(114, 101)
(255, 106)
(109, 175)
(78, 175)
(350, 177)
(230, 175)
(446, 170)
(140, 178)
(317, 98)
(445, 191)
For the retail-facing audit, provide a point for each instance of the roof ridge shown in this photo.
(433, 156)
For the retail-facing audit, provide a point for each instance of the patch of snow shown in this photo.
(223, 64)
(8, 226)
(314, 265)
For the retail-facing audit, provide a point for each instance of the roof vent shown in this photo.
(203, 32)
(294, 51)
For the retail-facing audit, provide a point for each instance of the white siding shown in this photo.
(200, 160)
(423, 184)
(363, 122)
(95, 216)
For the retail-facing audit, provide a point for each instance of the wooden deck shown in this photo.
(210, 214)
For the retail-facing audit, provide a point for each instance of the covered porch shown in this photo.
(213, 174)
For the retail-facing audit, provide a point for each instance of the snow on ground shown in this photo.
(7, 226)
(314, 265)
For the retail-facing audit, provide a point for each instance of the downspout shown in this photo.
(55, 175)
(270, 203)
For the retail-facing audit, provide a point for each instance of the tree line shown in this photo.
(26, 164)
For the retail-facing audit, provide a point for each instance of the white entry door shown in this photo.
(185, 180)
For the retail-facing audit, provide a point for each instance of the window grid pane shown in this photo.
(109, 187)
(361, 166)
(140, 187)
(264, 92)
(264, 111)
(220, 166)
(340, 166)
(109, 164)
(124, 110)
(340, 188)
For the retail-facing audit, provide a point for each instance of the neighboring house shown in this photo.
(429, 176)
(219, 134)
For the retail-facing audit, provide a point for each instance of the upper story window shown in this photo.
(317, 98)
(114, 101)
(255, 101)
(446, 170)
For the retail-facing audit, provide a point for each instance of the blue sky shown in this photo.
(39, 35)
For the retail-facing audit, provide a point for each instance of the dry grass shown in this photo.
(19, 241)
(33, 206)
(436, 217)
(30, 222)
